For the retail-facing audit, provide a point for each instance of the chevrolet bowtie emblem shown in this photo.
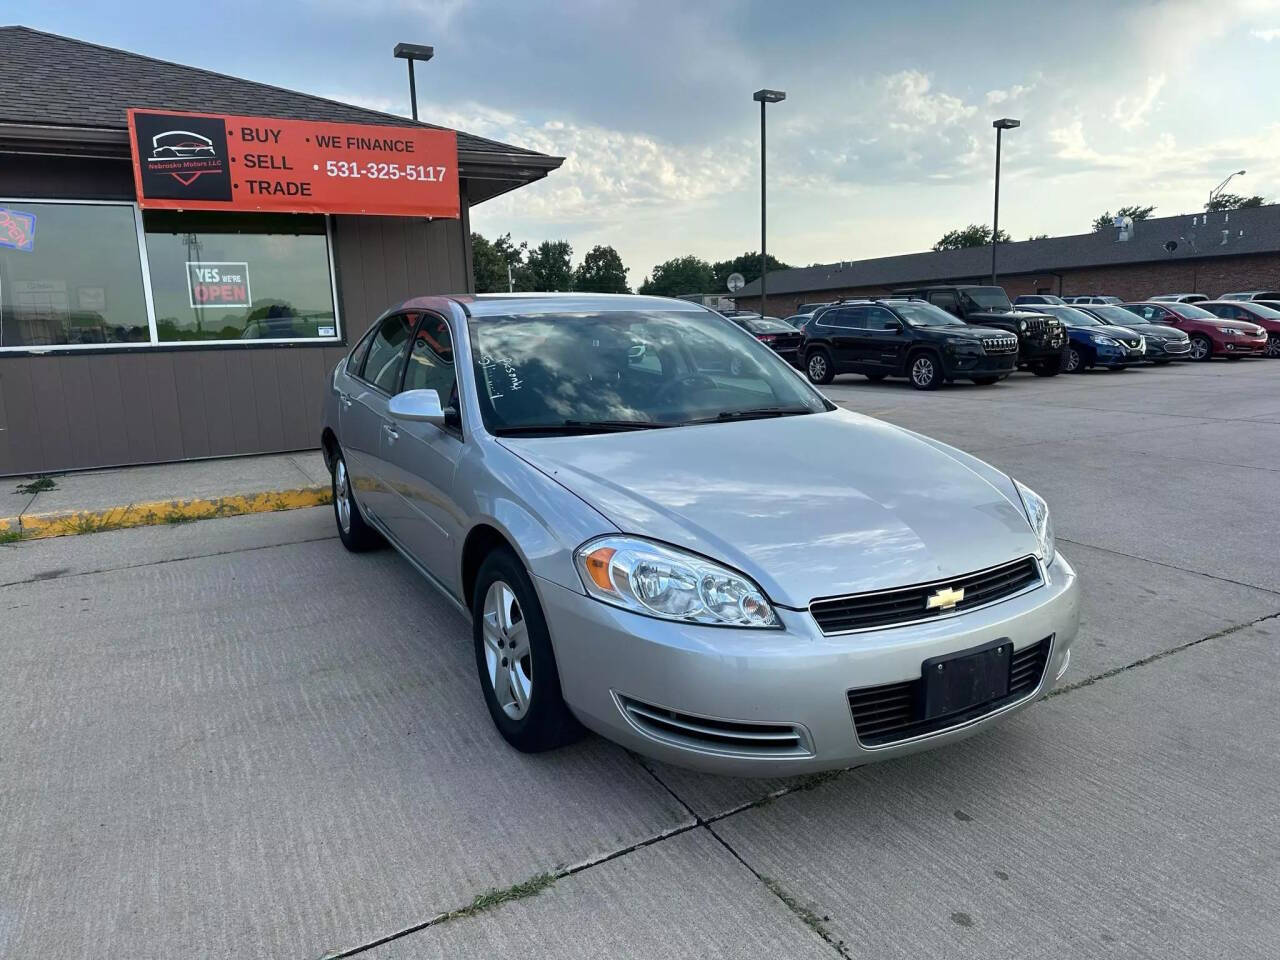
(944, 599)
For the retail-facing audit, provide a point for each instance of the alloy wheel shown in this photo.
(1273, 345)
(1199, 348)
(507, 655)
(817, 367)
(923, 372)
(342, 495)
(1073, 361)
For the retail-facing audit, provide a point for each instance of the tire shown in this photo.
(924, 370)
(986, 381)
(1273, 345)
(522, 692)
(818, 367)
(1073, 362)
(356, 535)
(1047, 368)
(1201, 347)
(875, 377)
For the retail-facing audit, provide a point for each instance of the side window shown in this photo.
(946, 299)
(356, 360)
(387, 348)
(843, 317)
(430, 365)
(878, 318)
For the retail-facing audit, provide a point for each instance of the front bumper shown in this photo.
(1169, 350)
(794, 677)
(1106, 356)
(979, 364)
(1241, 347)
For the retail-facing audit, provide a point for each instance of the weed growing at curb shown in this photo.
(11, 536)
(37, 485)
(88, 523)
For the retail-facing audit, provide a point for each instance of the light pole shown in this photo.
(1217, 191)
(762, 97)
(412, 52)
(1001, 126)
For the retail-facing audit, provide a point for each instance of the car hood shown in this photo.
(808, 506)
(1157, 330)
(966, 331)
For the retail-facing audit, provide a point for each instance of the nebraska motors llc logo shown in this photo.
(182, 157)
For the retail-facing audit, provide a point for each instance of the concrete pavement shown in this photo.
(234, 738)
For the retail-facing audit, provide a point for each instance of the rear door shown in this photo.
(364, 414)
(840, 326)
(421, 458)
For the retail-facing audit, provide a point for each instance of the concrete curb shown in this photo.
(35, 526)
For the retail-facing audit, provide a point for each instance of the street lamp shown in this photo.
(412, 52)
(1217, 191)
(762, 97)
(1001, 126)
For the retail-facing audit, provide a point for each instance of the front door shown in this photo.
(421, 459)
(882, 343)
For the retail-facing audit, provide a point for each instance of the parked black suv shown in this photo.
(904, 337)
(1042, 339)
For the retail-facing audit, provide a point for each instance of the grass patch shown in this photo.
(37, 485)
(88, 523)
(11, 536)
(495, 898)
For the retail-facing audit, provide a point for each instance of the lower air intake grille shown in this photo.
(730, 737)
(895, 711)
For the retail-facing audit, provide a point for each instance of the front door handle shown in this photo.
(392, 433)
(344, 399)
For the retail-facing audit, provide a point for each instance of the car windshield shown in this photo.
(765, 325)
(987, 298)
(1190, 312)
(921, 314)
(1071, 316)
(580, 372)
(1116, 315)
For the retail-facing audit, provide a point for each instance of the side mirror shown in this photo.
(417, 406)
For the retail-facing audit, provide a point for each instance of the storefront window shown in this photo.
(70, 274)
(227, 276)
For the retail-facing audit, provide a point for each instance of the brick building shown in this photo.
(1194, 253)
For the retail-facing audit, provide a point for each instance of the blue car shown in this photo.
(1092, 343)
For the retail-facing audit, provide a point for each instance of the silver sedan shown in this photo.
(661, 532)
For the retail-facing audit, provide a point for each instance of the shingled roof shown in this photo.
(50, 81)
(1233, 233)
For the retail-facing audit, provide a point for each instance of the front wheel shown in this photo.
(1273, 345)
(356, 535)
(818, 367)
(1074, 362)
(925, 372)
(514, 658)
(1201, 347)
(1047, 368)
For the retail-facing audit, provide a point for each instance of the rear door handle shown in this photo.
(344, 399)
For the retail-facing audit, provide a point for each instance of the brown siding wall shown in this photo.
(1131, 282)
(66, 411)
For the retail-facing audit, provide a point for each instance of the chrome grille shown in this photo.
(886, 608)
(732, 737)
(999, 345)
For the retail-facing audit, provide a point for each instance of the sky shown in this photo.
(883, 143)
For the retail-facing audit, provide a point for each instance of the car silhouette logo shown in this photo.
(173, 144)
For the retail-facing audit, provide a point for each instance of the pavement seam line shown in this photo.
(156, 563)
(493, 898)
(1170, 566)
(36, 526)
(1144, 661)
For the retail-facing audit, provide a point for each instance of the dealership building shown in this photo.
(184, 255)
(1210, 253)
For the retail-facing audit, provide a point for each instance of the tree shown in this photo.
(1232, 201)
(547, 267)
(489, 266)
(748, 264)
(601, 271)
(680, 276)
(974, 235)
(1135, 213)
(1038, 236)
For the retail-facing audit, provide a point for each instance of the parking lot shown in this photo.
(234, 738)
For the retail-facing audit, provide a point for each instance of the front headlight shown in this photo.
(1038, 516)
(1105, 341)
(1231, 331)
(661, 581)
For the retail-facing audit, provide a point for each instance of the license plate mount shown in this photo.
(958, 681)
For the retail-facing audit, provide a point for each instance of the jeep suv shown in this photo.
(1042, 339)
(902, 337)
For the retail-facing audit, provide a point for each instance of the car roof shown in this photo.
(505, 304)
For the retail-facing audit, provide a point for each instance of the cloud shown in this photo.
(1016, 92)
(914, 105)
(1272, 33)
(1131, 112)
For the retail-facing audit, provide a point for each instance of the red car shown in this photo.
(1265, 314)
(1211, 336)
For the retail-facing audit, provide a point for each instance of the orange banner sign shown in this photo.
(201, 161)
